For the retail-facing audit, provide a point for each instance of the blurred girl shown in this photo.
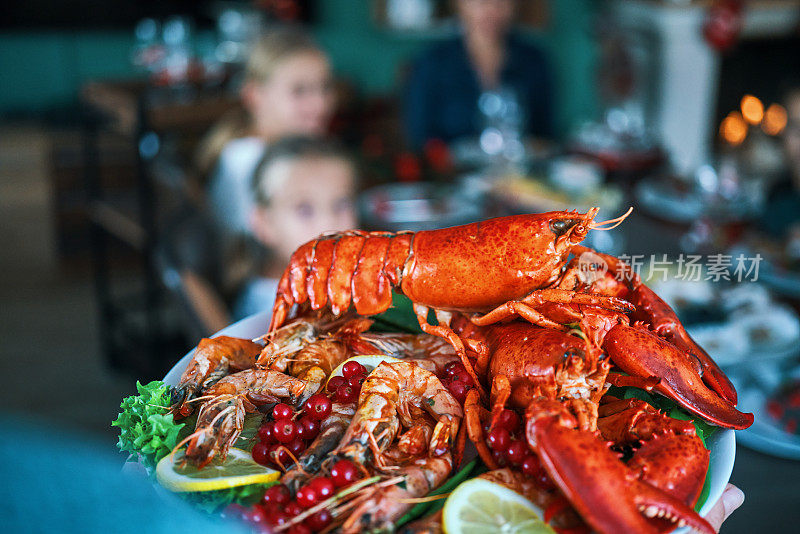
(287, 91)
(302, 188)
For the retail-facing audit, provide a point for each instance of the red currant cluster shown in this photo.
(347, 388)
(509, 447)
(282, 435)
(277, 507)
(457, 380)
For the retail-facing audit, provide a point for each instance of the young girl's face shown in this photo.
(297, 99)
(307, 198)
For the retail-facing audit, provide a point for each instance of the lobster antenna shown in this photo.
(613, 222)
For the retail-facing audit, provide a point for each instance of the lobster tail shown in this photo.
(341, 269)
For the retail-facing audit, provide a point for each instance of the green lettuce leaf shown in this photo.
(216, 500)
(147, 431)
(399, 318)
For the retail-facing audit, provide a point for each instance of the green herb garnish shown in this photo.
(147, 431)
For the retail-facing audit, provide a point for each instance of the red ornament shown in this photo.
(723, 24)
(407, 167)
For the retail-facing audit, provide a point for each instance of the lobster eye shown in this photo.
(562, 226)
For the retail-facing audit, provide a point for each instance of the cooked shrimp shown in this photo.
(332, 429)
(213, 358)
(221, 416)
(261, 383)
(388, 504)
(283, 344)
(387, 396)
(409, 345)
(219, 425)
(431, 524)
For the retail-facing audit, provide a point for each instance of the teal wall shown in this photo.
(43, 69)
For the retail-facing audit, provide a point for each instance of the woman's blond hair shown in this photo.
(269, 51)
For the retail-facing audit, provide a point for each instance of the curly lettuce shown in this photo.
(147, 431)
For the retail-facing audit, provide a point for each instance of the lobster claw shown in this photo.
(651, 309)
(607, 495)
(639, 352)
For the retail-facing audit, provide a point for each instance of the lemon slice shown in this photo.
(238, 469)
(482, 507)
(369, 361)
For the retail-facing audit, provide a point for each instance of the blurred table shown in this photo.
(148, 118)
(772, 493)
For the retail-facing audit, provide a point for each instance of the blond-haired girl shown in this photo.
(287, 91)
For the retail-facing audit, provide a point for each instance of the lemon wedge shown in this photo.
(482, 507)
(238, 469)
(369, 361)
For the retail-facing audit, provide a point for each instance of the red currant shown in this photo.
(307, 497)
(255, 514)
(356, 381)
(307, 428)
(346, 394)
(323, 486)
(318, 407)
(265, 434)
(279, 455)
(282, 411)
(499, 439)
(296, 447)
(277, 518)
(463, 376)
(530, 465)
(276, 495)
(293, 509)
(353, 369)
(459, 390)
(344, 473)
(516, 452)
(453, 368)
(299, 528)
(320, 520)
(284, 430)
(260, 453)
(509, 420)
(335, 383)
(499, 457)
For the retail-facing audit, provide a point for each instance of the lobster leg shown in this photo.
(607, 494)
(525, 307)
(639, 352)
(443, 330)
(474, 417)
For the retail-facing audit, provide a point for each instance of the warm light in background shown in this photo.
(733, 128)
(774, 119)
(752, 109)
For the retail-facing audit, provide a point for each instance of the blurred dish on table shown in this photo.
(417, 206)
(771, 433)
(710, 193)
(738, 325)
(468, 153)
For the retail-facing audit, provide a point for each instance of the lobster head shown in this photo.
(552, 236)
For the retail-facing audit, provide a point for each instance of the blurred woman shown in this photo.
(287, 91)
(441, 100)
